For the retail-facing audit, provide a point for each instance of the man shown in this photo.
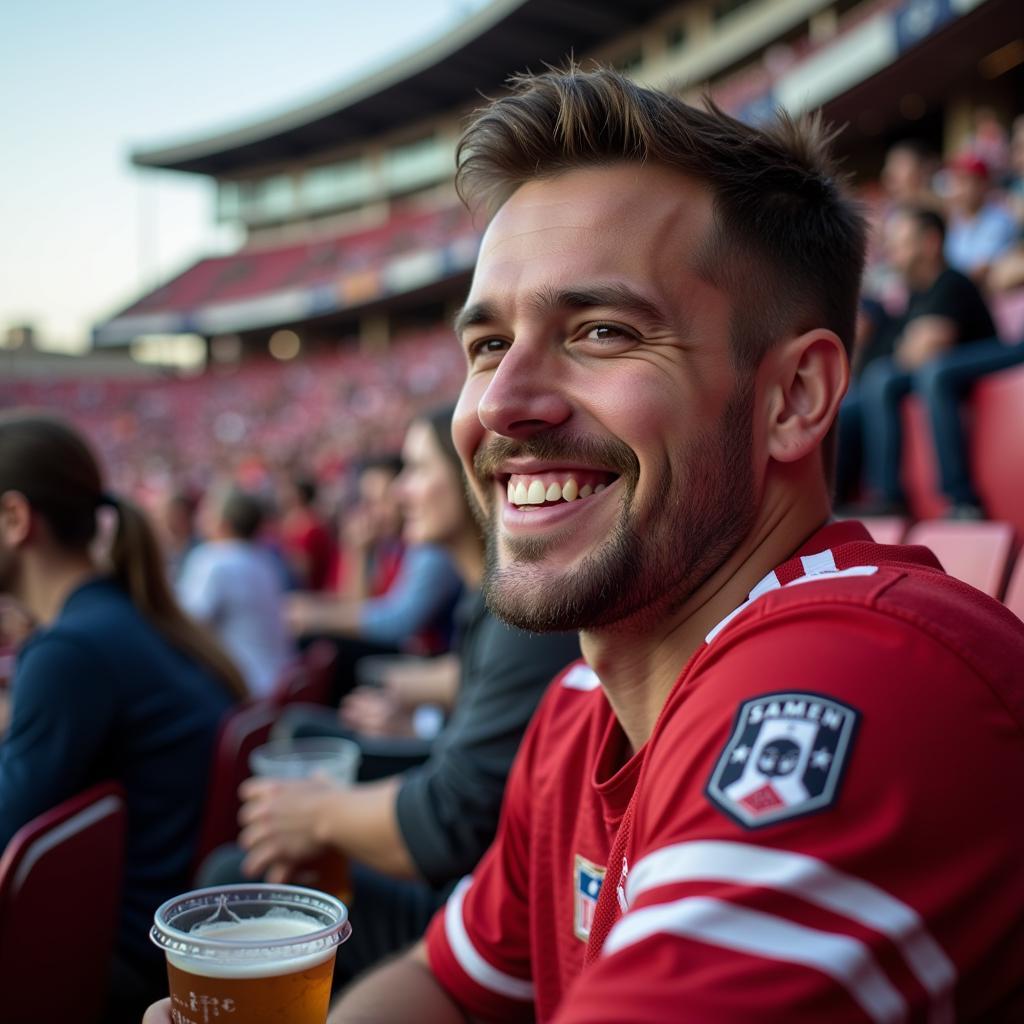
(942, 344)
(307, 543)
(980, 229)
(754, 815)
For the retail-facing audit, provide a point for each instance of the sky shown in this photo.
(85, 82)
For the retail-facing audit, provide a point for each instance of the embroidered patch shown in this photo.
(785, 758)
(586, 887)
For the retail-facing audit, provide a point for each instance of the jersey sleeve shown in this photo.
(797, 845)
(479, 942)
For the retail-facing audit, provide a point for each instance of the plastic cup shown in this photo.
(334, 756)
(258, 954)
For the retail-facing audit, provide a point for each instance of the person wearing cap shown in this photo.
(980, 229)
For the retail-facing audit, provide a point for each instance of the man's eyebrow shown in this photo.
(473, 314)
(606, 296)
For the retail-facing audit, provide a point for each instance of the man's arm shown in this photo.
(924, 338)
(402, 990)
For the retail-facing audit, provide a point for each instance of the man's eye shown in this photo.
(608, 332)
(487, 346)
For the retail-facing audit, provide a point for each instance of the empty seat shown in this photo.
(1014, 599)
(977, 553)
(63, 866)
(885, 529)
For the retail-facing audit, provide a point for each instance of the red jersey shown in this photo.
(823, 825)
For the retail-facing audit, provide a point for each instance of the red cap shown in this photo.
(968, 163)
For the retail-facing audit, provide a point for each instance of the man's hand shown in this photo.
(375, 712)
(284, 822)
(158, 1013)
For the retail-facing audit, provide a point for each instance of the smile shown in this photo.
(531, 490)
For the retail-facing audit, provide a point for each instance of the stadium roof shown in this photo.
(474, 56)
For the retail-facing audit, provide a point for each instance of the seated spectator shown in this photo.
(429, 826)
(1007, 271)
(306, 542)
(981, 229)
(397, 598)
(177, 530)
(944, 341)
(234, 586)
(116, 682)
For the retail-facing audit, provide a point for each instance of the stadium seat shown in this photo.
(310, 678)
(977, 553)
(241, 732)
(885, 529)
(1014, 599)
(63, 866)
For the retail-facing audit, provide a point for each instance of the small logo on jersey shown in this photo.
(586, 887)
(785, 758)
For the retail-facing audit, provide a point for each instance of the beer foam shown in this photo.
(271, 928)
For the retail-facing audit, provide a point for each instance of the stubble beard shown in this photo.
(653, 560)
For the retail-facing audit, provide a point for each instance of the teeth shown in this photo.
(586, 491)
(511, 493)
(570, 490)
(553, 493)
(599, 488)
(521, 494)
(535, 495)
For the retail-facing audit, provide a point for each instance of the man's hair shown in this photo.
(786, 243)
(243, 513)
(925, 218)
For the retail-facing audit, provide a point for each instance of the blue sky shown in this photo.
(83, 82)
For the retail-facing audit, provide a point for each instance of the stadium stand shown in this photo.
(977, 553)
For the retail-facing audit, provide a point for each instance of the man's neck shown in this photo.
(924, 277)
(638, 662)
(49, 581)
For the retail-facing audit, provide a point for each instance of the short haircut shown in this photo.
(305, 489)
(787, 244)
(243, 513)
(925, 218)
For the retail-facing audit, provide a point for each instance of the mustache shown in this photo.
(551, 447)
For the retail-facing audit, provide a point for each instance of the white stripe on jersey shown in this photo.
(581, 677)
(823, 561)
(813, 881)
(718, 923)
(470, 960)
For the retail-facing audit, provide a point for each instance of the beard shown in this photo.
(654, 558)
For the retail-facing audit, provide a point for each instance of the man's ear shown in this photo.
(807, 378)
(15, 519)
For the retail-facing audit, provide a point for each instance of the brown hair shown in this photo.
(787, 244)
(49, 463)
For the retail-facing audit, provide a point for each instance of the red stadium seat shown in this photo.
(885, 529)
(63, 866)
(997, 408)
(241, 732)
(308, 680)
(977, 553)
(1014, 599)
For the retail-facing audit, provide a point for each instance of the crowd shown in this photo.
(739, 805)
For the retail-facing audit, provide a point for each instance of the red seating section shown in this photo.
(995, 417)
(63, 866)
(241, 732)
(977, 553)
(309, 680)
(885, 529)
(1014, 599)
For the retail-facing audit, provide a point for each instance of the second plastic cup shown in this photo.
(333, 756)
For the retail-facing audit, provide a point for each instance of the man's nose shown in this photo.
(526, 393)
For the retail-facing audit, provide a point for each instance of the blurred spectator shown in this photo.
(980, 228)
(908, 173)
(432, 823)
(235, 586)
(177, 528)
(115, 683)
(398, 597)
(306, 543)
(1007, 271)
(943, 342)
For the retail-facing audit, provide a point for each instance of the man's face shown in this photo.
(600, 371)
(904, 245)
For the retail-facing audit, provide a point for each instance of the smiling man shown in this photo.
(743, 807)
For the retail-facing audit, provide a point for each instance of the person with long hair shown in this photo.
(114, 683)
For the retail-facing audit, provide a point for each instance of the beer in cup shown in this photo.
(256, 954)
(334, 757)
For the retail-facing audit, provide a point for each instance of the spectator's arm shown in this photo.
(924, 338)
(198, 589)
